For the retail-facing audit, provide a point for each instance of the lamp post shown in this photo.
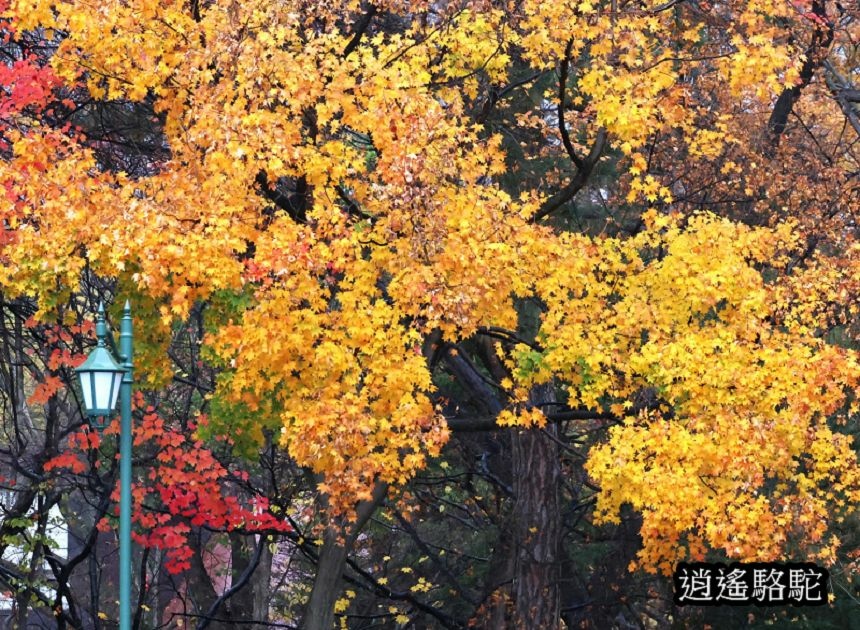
(101, 379)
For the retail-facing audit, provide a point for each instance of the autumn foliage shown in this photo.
(349, 200)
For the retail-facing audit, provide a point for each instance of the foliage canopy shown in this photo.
(354, 193)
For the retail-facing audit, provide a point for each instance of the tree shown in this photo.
(358, 201)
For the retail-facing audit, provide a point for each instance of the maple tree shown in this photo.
(357, 201)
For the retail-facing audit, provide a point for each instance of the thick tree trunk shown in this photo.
(241, 605)
(537, 525)
(332, 561)
(337, 543)
(262, 587)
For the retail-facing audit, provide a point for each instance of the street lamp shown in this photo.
(101, 379)
(100, 375)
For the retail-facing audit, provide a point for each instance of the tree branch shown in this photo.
(577, 183)
(473, 424)
(562, 93)
(821, 40)
(844, 93)
(360, 29)
(235, 588)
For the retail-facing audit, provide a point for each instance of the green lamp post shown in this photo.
(102, 378)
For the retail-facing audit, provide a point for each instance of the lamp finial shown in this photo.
(101, 326)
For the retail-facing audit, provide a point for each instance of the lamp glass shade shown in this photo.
(100, 376)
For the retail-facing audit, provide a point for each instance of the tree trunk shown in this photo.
(332, 561)
(337, 543)
(241, 604)
(537, 524)
(262, 587)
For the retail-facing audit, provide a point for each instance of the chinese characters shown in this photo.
(764, 584)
